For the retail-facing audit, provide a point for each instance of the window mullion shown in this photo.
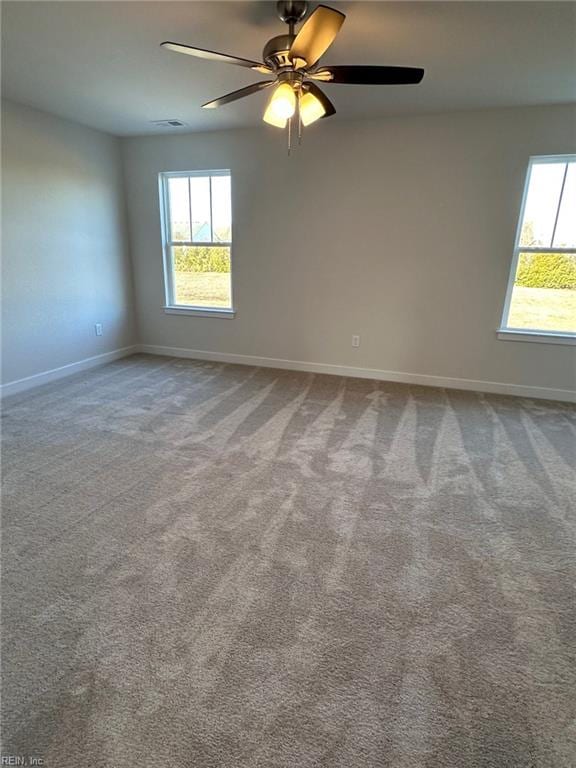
(559, 204)
(544, 249)
(190, 208)
(211, 217)
(206, 244)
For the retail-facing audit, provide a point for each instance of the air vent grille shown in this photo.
(169, 123)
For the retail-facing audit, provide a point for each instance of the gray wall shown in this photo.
(65, 261)
(400, 230)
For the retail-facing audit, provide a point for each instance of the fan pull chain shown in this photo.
(289, 135)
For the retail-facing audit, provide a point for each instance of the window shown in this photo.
(541, 297)
(197, 232)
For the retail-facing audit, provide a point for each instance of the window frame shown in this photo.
(170, 306)
(509, 333)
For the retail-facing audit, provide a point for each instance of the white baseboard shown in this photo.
(21, 385)
(493, 387)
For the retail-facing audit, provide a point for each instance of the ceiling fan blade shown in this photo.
(322, 98)
(362, 75)
(214, 56)
(316, 35)
(238, 94)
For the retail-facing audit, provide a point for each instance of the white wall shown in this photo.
(400, 230)
(65, 260)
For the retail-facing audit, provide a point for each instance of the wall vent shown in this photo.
(168, 123)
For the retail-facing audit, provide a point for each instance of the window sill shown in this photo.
(228, 314)
(543, 337)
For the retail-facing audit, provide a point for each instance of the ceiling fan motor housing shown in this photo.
(276, 51)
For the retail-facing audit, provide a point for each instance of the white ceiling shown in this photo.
(100, 63)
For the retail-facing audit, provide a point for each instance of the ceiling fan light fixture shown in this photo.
(292, 62)
(281, 106)
(311, 109)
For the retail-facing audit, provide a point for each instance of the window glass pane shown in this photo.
(179, 208)
(544, 293)
(201, 276)
(221, 209)
(542, 204)
(565, 235)
(200, 196)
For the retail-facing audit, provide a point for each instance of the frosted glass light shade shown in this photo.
(311, 109)
(281, 106)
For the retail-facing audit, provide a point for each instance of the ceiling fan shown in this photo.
(292, 61)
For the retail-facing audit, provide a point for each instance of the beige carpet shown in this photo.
(219, 566)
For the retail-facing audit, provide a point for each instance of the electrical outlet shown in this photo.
(98, 329)
(355, 341)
